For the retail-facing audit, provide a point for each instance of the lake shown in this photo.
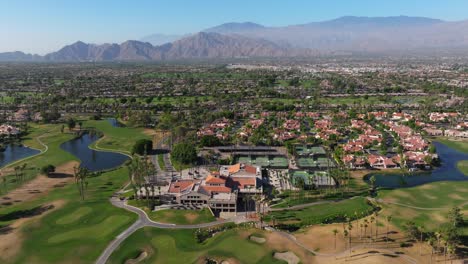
(114, 122)
(448, 171)
(16, 152)
(93, 160)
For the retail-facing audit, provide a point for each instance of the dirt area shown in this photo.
(279, 243)
(191, 217)
(321, 239)
(288, 256)
(41, 185)
(11, 237)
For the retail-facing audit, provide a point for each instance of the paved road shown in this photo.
(144, 221)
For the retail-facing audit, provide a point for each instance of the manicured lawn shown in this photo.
(173, 216)
(116, 138)
(321, 213)
(183, 217)
(463, 166)
(179, 246)
(461, 145)
(77, 232)
(434, 195)
(161, 162)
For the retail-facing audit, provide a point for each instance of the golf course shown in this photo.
(32, 228)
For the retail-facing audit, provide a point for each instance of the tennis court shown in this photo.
(264, 161)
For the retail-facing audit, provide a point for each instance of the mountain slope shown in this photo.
(214, 45)
(160, 39)
(19, 56)
(233, 28)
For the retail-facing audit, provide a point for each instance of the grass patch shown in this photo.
(63, 237)
(180, 166)
(443, 195)
(460, 145)
(161, 162)
(463, 166)
(179, 246)
(322, 213)
(116, 138)
(173, 216)
(183, 217)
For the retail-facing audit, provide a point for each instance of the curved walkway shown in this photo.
(145, 221)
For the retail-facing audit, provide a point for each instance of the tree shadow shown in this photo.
(25, 213)
(55, 175)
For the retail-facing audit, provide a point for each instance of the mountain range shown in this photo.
(251, 40)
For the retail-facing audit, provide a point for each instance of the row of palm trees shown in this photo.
(139, 169)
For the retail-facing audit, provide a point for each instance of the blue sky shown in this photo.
(42, 26)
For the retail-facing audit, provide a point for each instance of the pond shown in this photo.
(114, 122)
(91, 159)
(16, 152)
(448, 171)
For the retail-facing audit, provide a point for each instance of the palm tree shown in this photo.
(420, 228)
(365, 227)
(438, 235)
(389, 218)
(376, 224)
(335, 232)
(432, 242)
(345, 233)
(81, 174)
(371, 221)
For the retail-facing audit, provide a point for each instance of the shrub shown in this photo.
(142, 146)
(48, 169)
(184, 153)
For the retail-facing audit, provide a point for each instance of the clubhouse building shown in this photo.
(220, 191)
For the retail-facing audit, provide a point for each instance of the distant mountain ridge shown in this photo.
(347, 34)
(198, 46)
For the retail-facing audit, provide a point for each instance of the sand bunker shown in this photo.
(288, 256)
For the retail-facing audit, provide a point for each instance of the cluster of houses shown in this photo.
(8, 130)
(217, 128)
(220, 191)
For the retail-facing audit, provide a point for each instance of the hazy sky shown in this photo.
(41, 26)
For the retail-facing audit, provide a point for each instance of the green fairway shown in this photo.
(322, 213)
(463, 166)
(460, 145)
(442, 195)
(77, 232)
(179, 246)
(119, 139)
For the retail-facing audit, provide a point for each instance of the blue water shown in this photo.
(15, 152)
(114, 122)
(91, 159)
(448, 171)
